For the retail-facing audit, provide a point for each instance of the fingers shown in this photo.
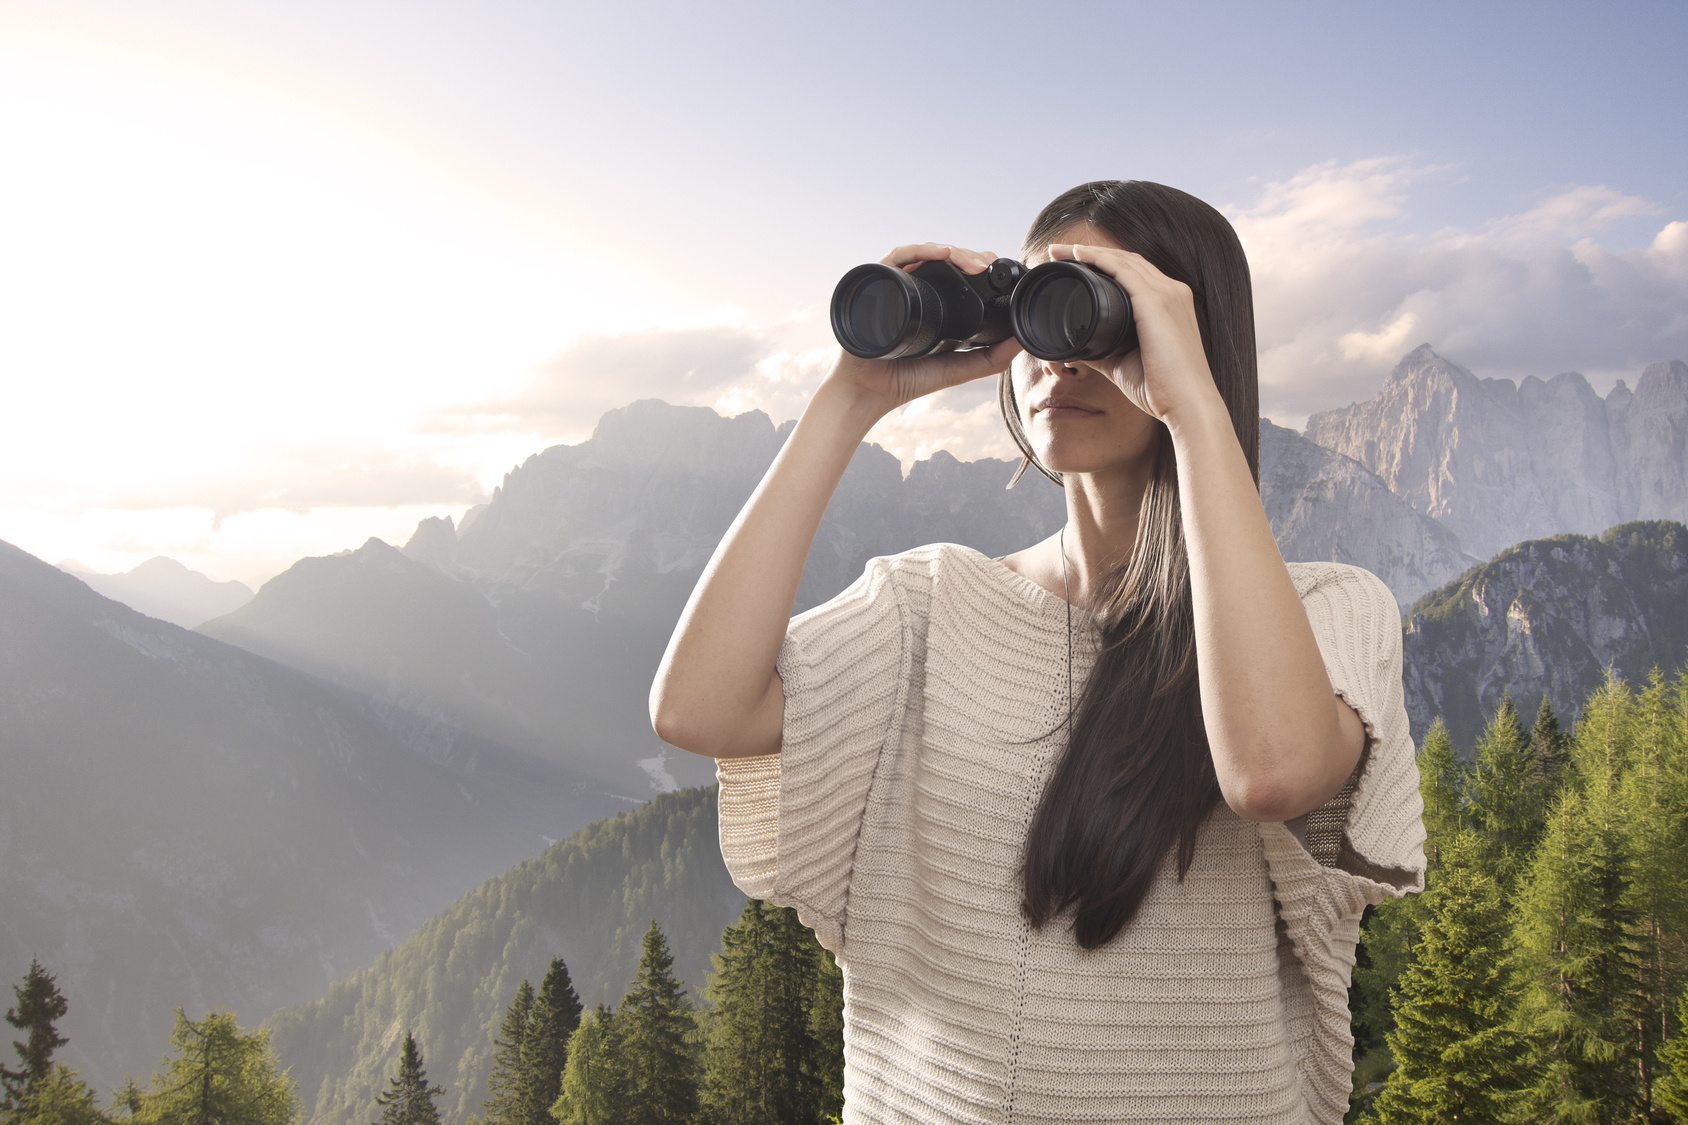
(964, 367)
(1136, 274)
(909, 257)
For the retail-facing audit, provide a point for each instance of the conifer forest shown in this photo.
(1540, 976)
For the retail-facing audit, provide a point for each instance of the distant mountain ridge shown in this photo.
(163, 588)
(183, 822)
(1498, 463)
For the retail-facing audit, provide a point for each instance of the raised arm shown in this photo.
(716, 692)
(1282, 741)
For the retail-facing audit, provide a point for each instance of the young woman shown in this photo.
(1090, 827)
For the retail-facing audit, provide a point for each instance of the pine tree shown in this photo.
(505, 1082)
(553, 1018)
(761, 1061)
(1456, 1056)
(592, 1090)
(1439, 784)
(1656, 831)
(656, 1058)
(409, 1099)
(39, 1004)
(1547, 756)
(1500, 799)
(220, 1076)
(126, 1103)
(61, 1098)
(1670, 1092)
(1577, 935)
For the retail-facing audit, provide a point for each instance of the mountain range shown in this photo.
(184, 822)
(538, 622)
(1497, 462)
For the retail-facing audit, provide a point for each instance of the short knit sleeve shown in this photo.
(1374, 847)
(790, 821)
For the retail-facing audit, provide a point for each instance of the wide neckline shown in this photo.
(1005, 575)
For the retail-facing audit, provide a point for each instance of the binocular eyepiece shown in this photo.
(1059, 310)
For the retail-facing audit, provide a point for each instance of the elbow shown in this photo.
(674, 726)
(1263, 799)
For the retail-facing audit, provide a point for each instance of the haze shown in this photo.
(279, 277)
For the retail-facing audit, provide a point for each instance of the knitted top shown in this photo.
(924, 707)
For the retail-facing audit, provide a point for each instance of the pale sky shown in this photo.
(279, 276)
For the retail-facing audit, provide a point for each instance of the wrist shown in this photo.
(845, 406)
(1201, 419)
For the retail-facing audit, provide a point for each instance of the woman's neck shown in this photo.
(1101, 531)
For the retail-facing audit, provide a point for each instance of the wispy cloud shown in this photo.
(1341, 292)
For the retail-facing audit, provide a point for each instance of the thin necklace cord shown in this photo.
(1067, 596)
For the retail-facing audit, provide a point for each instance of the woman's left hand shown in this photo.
(1168, 374)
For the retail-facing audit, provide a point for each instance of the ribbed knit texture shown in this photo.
(923, 710)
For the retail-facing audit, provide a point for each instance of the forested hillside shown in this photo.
(589, 900)
(1540, 976)
(1547, 618)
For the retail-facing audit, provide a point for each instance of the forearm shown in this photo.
(715, 691)
(1282, 741)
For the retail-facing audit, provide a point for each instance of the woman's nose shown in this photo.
(1056, 368)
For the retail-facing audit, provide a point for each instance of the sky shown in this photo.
(279, 276)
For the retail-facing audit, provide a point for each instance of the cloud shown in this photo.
(343, 473)
(567, 394)
(1341, 290)
(1345, 284)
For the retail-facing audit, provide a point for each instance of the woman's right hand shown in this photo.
(882, 385)
(716, 691)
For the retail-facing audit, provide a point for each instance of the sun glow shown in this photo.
(194, 270)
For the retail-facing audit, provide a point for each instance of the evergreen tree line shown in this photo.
(766, 1047)
(1540, 976)
(217, 1074)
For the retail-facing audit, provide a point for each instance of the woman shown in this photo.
(1089, 827)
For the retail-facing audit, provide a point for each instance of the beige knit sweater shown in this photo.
(923, 708)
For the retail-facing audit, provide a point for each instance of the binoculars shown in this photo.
(1059, 310)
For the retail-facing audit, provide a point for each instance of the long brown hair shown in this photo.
(1137, 777)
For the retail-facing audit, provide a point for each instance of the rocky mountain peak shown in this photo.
(1497, 462)
(434, 543)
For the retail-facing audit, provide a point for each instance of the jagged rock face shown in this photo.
(1497, 463)
(1327, 507)
(654, 489)
(1548, 617)
(184, 822)
(1650, 429)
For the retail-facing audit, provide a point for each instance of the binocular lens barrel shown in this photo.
(1059, 310)
(881, 312)
(1068, 310)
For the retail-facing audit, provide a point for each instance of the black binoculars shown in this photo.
(1060, 310)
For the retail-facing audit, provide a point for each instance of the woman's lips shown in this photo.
(1060, 406)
